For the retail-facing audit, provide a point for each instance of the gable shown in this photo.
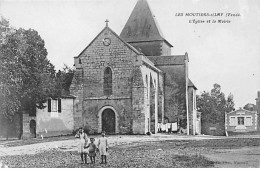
(99, 55)
(107, 32)
(241, 112)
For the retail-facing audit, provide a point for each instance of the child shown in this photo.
(103, 147)
(83, 140)
(92, 150)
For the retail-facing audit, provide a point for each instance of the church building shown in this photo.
(128, 83)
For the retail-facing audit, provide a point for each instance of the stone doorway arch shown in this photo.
(108, 120)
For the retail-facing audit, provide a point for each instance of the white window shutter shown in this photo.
(248, 121)
(232, 121)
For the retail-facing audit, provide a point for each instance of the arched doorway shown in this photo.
(33, 128)
(108, 121)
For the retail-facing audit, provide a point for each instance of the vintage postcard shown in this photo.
(129, 84)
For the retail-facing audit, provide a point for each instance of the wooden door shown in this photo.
(108, 121)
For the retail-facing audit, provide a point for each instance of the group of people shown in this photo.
(91, 149)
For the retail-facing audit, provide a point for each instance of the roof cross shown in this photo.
(107, 22)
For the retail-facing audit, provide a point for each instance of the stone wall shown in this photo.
(152, 48)
(161, 99)
(151, 97)
(26, 126)
(76, 89)
(126, 97)
(97, 57)
(122, 107)
(139, 109)
(217, 129)
(12, 128)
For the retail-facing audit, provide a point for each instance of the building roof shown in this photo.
(142, 25)
(168, 60)
(127, 44)
(68, 97)
(63, 97)
(190, 84)
(241, 109)
(147, 61)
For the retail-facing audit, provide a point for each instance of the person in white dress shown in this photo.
(102, 148)
(82, 144)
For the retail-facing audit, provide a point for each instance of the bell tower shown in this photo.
(142, 31)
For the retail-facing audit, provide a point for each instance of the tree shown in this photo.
(230, 103)
(27, 76)
(38, 73)
(175, 99)
(10, 75)
(250, 107)
(63, 80)
(213, 105)
(5, 30)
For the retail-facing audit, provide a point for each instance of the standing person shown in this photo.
(103, 147)
(83, 140)
(92, 150)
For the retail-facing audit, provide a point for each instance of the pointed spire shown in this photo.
(141, 25)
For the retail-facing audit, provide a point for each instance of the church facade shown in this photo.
(128, 83)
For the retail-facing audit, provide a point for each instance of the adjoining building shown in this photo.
(54, 120)
(241, 121)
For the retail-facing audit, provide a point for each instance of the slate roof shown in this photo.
(241, 109)
(68, 96)
(168, 60)
(142, 25)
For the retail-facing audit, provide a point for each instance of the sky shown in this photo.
(223, 53)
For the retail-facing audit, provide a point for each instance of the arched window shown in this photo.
(107, 81)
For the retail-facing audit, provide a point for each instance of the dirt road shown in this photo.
(71, 145)
(238, 157)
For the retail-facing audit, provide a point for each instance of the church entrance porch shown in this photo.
(108, 121)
